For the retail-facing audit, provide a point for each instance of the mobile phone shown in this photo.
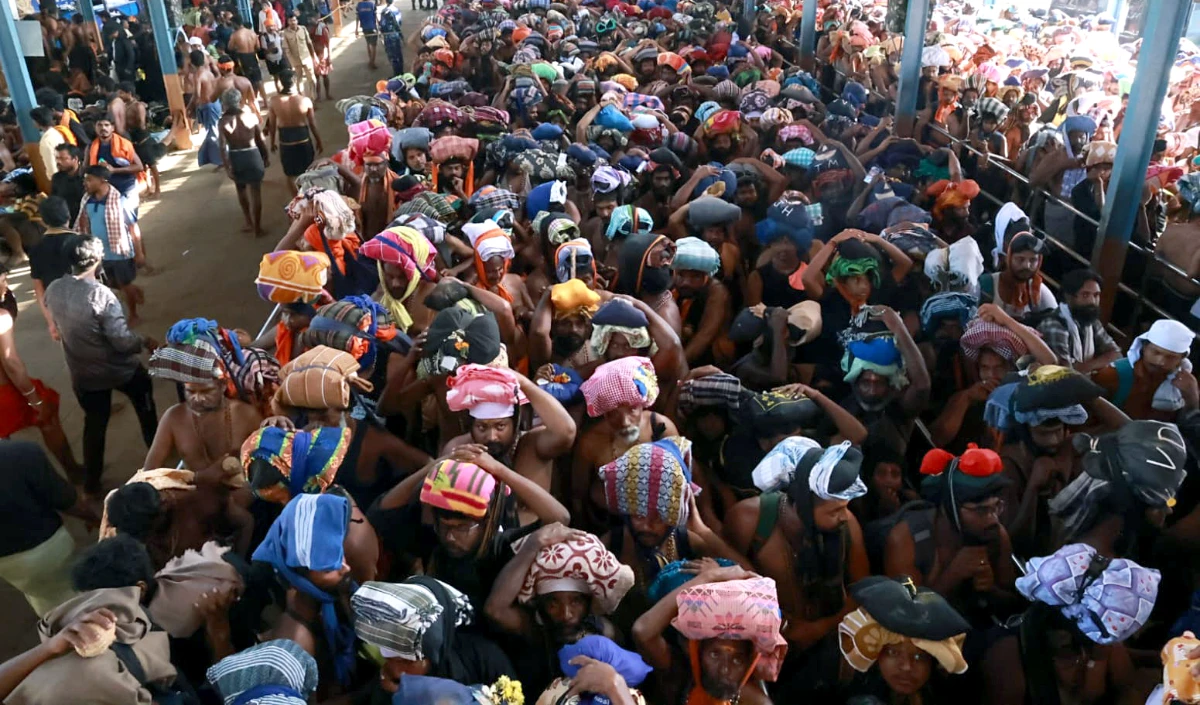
(875, 171)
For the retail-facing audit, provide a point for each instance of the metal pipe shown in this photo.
(12, 60)
(808, 35)
(910, 66)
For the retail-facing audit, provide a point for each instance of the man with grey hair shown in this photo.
(101, 353)
(245, 156)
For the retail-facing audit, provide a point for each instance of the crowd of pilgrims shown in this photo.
(622, 361)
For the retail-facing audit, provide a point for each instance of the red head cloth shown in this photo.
(950, 194)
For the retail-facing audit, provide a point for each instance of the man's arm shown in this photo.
(649, 631)
(548, 509)
(312, 127)
(716, 310)
(901, 262)
(558, 436)
(164, 443)
(115, 328)
(539, 332)
(916, 394)
(39, 293)
(501, 607)
(1037, 347)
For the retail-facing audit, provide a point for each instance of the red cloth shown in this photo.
(312, 235)
(16, 412)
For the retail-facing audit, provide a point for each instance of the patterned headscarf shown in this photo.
(1108, 600)
(980, 334)
(704, 612)
(413, 620)
(651, 480)
(282, 464)
(694, 254)
(627, 221)
(277, 672)
(408, 249)
(629, 381)
(484, 392)
(463, 488)
(582, 565)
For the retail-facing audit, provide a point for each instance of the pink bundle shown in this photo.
(368, 137)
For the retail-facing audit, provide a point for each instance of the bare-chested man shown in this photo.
(129, 116)
(625, 421)
(203, 429)
(243, 47)
(206, 106)
(227, 79)
(531, 453)
(292, 129)
(245, 155)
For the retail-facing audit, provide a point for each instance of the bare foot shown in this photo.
(260, 232)
(247, 228)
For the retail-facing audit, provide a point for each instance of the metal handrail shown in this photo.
(1151, 254)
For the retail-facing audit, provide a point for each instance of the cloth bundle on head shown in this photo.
(457, 336)
(1171, 336)
(1108, 600)
(462, 149)
(290, 276)
(1143, 461)
(947, 304)
(493, 197)
(573, 298)
(694, 254)
(321, 378)
(308, 537)
(651, 480)
(572, 257)
(984, 335)
(282, 464)
(629, 665)
(563, 384)
(723, 122)
(330, 209)
(414, 620)
(484, 392)
(955, 268)
(196, 363)
(879, 355)
(951, 194)
(1179, 685)
(279, 671)
(953, 481)
(627, 221)
(720, 390)
(833, 473)
(581, 565)
(906, 614)
(776, 412)
(546, 196)
(709, 211)
(619, 317)
(1099, 152)
(629, 381)
(796, 132)
(412, 252)
(704, 612)
(368, 137)
(463, 488)
(775, 471)
(356, 324)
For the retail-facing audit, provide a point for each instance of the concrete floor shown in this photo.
(206, 268)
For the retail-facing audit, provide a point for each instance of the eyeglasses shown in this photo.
(985, 510)
(458, 531)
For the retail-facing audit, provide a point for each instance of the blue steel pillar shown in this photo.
(87, 10)
(915, 25)
(247, 13)
(808, 35)
(164, 44)
(17, 73)
(1163, 26)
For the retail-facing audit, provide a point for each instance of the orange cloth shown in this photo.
(338, 248)
(121, 149)
(16, 412)
(283, 343)
(480, 271)
(856, 303)
(66, 134)
(950, 194)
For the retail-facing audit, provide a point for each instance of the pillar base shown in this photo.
(181, 128)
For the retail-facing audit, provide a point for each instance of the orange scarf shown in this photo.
(1018, 295)
(66, 135)
(481, 273)
(699, 696)
(121, 149)
(338, 248)
(283, 343)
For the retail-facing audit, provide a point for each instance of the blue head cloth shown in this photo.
(628, 664)
(538, 199)
(672, 576)
(631, 163)
(365, 303)
(581, 154)
(547, 131)
(619, 313)
(427, 690)
(610, 117)
(738, 51)
(188, 330)
(309, 534)
(855, 94)
(600, 152)
(706, 109)
(725, 175)
(881, 351)
(1079, 123)
(719, 72)
(565, 392)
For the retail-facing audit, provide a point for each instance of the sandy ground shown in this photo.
(206, 268)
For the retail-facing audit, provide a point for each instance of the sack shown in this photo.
(320, 379)
(290, 276)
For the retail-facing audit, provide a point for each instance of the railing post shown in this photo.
(808, 36)
(164, 44)
(337, 17)
(916, 22)
(1164, 25)
(12, 60)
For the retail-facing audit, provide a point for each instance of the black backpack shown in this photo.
(918, 514)
(361, 277)
(179, 692)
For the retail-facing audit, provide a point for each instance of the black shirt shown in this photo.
(70, 189)
(50, 258)
(31, 496)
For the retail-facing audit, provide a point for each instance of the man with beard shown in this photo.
(1118, 505)
(1154, 381)
(1074, 332)
(724, 663)
(492, 396)
(1021, 124)
(704, 303)
(802, 534)
(555, 591)
(562, 326)
(888, 379)
(207, 426)
(493, 256)
(648, 491)
(1045, 408)
(663, 181)
(305, 547)
(1018, 287)
(473, 500)
(1062, 169)
(644, 271)
(965, 554)
(621, 392)
(376, 195)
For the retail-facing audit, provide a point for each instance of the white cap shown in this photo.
(489, 410)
